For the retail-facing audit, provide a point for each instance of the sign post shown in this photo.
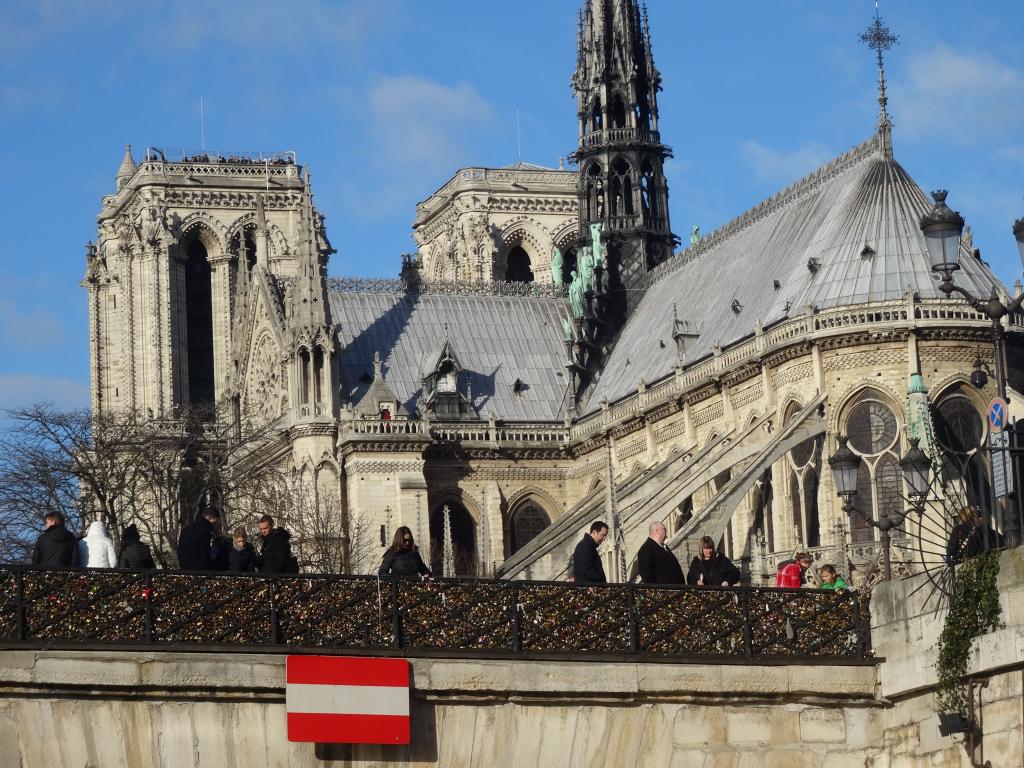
(343, 700)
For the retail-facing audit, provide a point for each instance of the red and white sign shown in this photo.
(342, 700)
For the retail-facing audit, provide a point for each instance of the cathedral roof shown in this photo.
(847, 234)
(500, 339)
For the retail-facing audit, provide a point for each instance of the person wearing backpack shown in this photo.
(134, 554)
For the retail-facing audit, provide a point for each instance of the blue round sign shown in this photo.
(997, 415)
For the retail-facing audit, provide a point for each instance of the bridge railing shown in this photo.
(455, 617)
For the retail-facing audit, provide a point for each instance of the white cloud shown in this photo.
(965, 97)
(418, 132)
(20, 389)
(782, 168)
(423, 123)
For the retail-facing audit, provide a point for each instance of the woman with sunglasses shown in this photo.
(402, 557)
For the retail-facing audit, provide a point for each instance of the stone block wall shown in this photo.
(82, 709)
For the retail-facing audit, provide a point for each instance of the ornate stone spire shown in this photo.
(128, 167)
(622, 184)
(880, 39)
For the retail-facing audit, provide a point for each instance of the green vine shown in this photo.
(973, 610)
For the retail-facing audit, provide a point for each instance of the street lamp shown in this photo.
(915, 466)
(942, 228)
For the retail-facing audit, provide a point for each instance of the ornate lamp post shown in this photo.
(915, 466)
(942, 228)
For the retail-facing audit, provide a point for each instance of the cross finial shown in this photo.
(880, 39)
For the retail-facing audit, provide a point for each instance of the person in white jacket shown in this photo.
(97, 549)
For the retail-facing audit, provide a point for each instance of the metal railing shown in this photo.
(455, 617)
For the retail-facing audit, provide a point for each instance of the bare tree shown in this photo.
(121, 469)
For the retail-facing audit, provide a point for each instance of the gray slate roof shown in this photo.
(862, 198)
(497, 339)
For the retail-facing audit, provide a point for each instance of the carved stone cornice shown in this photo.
(492, 474)
(384, 466)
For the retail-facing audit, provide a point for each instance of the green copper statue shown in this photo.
(556, 265)
(576, 294)
(695, 235)
(567, 328)
(587, 263)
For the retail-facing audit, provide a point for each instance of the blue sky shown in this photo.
(385, 99)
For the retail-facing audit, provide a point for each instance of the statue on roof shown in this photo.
(557, 262)
(587, 263)
(576, 294)
(695, 234)
(596, 244)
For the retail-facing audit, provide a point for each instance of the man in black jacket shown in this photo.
(276, 552)
(194, 542)
(656, 564)
(57, 547)
(586, 563)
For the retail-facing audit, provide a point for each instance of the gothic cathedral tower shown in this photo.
(621, 158)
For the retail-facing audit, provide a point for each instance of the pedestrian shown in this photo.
(242, 556)
(711, 568)
(134, 554)
(586, 562)
(793, 573)
(655, 564)
(276, 551)
(195, 539)
(968, 537)
(96, 550)
(56, 547)
(220, 552)
(830, 578)
(402, 558)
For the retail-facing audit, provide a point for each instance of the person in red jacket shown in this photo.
(792, 573)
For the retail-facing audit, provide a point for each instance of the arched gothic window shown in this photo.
(527, 521)
(621, 189)
(617, 116)
(596, 121)
(873, 430)
(463, 539)
(960, 431)
(518, 268)
(805, 460)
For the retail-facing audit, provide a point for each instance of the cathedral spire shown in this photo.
(880, 39)
(128, 167)
(622, 189)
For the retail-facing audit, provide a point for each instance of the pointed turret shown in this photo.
(622, 181)
(128, 167)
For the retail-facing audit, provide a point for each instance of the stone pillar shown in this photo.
(220, 299)
(819, 368)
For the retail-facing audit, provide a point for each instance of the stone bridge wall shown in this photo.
(107, 710)
(61, 709)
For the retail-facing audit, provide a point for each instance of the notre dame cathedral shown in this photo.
(552, 354)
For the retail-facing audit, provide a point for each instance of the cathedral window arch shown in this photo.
(642, 112)
(525, 523)
(245, 234)
(617, 113)
(596, 116)
(873, 430)
(961, 432)
(518, 265)
(595, 192)
(463, 531)
(194, 250)
(805, 472)
(621, 188)
(648, 190)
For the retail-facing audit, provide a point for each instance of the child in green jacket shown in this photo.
(830, 579)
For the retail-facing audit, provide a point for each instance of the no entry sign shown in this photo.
(342, 700)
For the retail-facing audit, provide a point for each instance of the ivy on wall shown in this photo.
(974, 610)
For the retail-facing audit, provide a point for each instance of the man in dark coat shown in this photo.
(194, 542)
(586, 563)
(57, 547)
(276, 553)
(654, 563)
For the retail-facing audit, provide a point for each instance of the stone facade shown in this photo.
(709, 399)
(468, 229)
